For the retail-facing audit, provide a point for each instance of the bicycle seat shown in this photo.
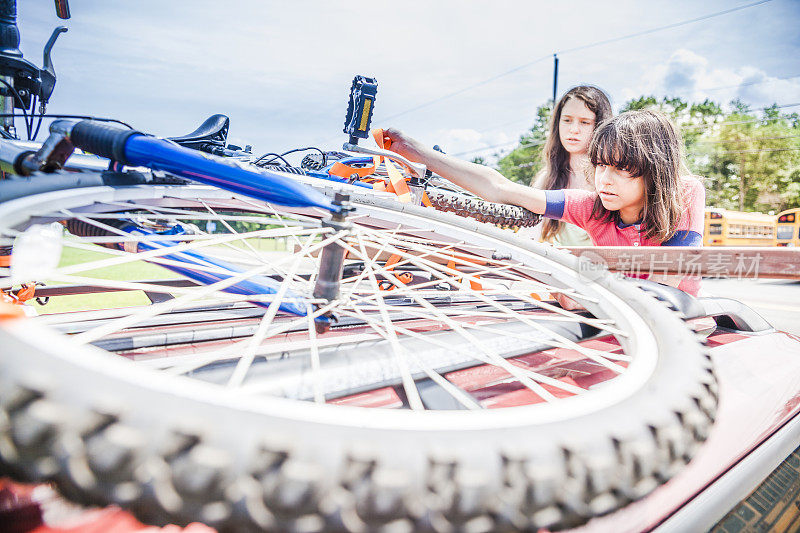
(213, 131)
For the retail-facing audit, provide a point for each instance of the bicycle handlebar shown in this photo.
(134, 148)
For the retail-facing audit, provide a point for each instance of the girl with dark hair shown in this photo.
(643, 195)
(565, 155)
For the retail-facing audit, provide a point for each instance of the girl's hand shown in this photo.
(397, 141)
(478, 179)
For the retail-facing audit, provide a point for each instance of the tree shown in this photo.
(749, 161)
(755, 162)
(522, 163)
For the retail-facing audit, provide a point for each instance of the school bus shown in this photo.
(788, 230)
(735, 228)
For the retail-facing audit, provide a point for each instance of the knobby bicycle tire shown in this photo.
(483, 211)
(177, 450)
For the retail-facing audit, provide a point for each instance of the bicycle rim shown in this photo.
(211, 429)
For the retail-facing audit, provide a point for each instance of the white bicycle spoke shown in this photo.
(247, 358)
(168, 305)
(446, 274)
(535, 387)
(565, 342)
(410, 388)
(457, 393)
(123, 257)
(234, 350)
(466, 300)
(530, 373)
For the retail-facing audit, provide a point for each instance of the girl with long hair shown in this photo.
(642, 194)
(565, 155)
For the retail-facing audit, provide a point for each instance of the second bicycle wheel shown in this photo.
(448, 394)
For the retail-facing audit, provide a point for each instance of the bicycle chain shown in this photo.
(95, 458)
(483, 211)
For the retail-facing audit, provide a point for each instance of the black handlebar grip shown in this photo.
(8, 10)
(9, 33)
(62, 9)
(101, 139)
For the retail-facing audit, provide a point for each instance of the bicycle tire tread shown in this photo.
(195, 481)
(81, 449)
(483, 211)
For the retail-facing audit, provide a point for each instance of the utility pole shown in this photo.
(555, 78)
(742, 182)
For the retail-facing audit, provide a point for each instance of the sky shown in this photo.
(282, 70)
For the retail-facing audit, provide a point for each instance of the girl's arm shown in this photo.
(478, 179)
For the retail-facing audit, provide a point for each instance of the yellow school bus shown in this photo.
(735, 228)
(788, 230)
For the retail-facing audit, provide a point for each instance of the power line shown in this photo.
(753, 151)
(469, 88)
(660, 28)
(734, 122)
(682, 128)
(708, 125)
(525, 145)
(568, 50)
(749, 139)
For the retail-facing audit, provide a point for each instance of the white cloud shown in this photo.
(684, 71)
(691, 76)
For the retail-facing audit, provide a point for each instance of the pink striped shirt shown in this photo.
(575, 206)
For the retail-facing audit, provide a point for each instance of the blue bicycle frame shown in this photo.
(223, 270)
(136, 149)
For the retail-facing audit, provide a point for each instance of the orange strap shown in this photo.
(386, 143)
(403, 277)
(5, 260)
(27, 292)
(397, 184)
(383, 141)
(346, 171)
(474, 285)
(386, 285)
(393, 260)
(425, 200)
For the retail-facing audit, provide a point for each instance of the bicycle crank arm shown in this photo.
(418, 169)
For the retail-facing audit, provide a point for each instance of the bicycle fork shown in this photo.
(331, 262)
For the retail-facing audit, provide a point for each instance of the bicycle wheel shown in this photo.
(220, 407)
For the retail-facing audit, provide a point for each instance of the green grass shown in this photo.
(134, 271)
(262, 245)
